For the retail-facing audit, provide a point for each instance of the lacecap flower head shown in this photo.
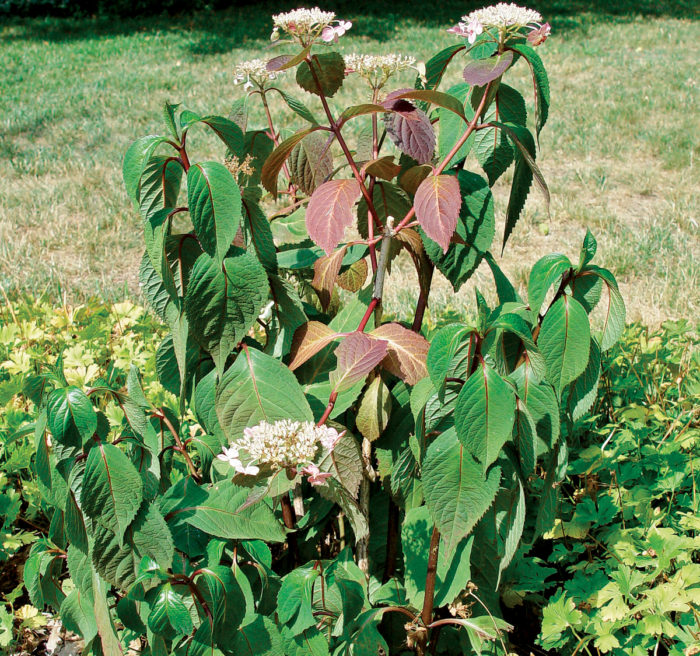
(377, 69)
(253, 73)
(504, 17)
(305, 25)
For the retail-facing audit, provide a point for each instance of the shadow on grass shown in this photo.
(225, 30)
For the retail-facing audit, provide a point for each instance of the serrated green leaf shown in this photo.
(70, 416)
(328, 69)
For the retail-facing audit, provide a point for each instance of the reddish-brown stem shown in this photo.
(329, 408)
(368, 314)
(422, 302)
(183, 154)
(180, 447)
(427, 612)
(343, 145)
(290, 522)
(455, 149)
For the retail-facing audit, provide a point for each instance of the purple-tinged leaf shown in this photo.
(406, 352)
(356, 355)
(283, 62)
(479, 72)
(330, 212)
(409, 128)
(437, 204)
(326, 270)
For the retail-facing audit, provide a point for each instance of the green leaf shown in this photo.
(525, 438)
(443, 100)
(105, 626)
(525, 170)
(545, 272)
(159, 184)
(71, 417)
(435, 67)
(491, 147)
(452, 126)
(564, 341)
(484, 414)
(112, 488)
(374, 410)
(113, 559)
(259, 637)
(224, 598)
(258, 227)
(288, 315)
(311, 162)
(224, 300)
(229, 132)
(258, 388)
(450, 355)
(582, 393)
(78, 615)
(540, 81)
(453, 571)
(135, 160)
(615, 313)
(328, 69)
(345, 462)
(298, 107)
(456, 489)
(504, 288)
(169, 110)
(215, 207)
(152, 536)
(588, 250)
(220, 514)
(168, 611)
(474, 233)
(295, 599)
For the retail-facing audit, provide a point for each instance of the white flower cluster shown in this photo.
(378, 68)
(253, 73)
(301, 22)
(282, 444)
(504, 15)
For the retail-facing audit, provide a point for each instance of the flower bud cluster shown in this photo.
(253, 73)
(377, 69)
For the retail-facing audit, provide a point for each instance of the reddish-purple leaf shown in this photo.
(437, 204)
(356, 355)
(330, 212)
(308, 340)
(409, 128)
(326, 270)
(479, 72)
(406, 352)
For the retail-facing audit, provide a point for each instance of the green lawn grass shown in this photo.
(619, 151)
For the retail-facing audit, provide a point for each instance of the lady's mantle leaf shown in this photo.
(437, 204)
(330, 212)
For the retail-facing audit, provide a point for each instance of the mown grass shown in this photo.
(619, 152)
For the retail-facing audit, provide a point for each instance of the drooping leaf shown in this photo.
(326, 270)
(406, 352)
(309, 339)
(258, 227)
(78, 615)
(135, 160)
(382, 167)
(435, 67)
(450, 354)
(274, 163)
(484, 414)
(410, 129)
(356, 356)
(452, 127)
(255, 388)
(456, 489)
(583, 392)
(311, 162)
(525, 438)
(438, 202)
(444, 100)
(159, 184)
(564, 341)
(298, 107)
(614, 311)
(223, 300)
(374, 410)
(329, 212)
(474, 233)
(540, 82)
(112, 488)
(479, 72)
(545, 272)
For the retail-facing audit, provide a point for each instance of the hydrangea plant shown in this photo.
(334, 481)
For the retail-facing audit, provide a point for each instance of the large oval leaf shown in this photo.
(456, 489)
(410, 129)
(330, 212)
(437, 204)
(356, 355)
(484, 414)
(565, 340)
(255, 388)
(71, 417)
(215, 206)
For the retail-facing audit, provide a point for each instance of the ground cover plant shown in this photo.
(67, 228)
(341, 485)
